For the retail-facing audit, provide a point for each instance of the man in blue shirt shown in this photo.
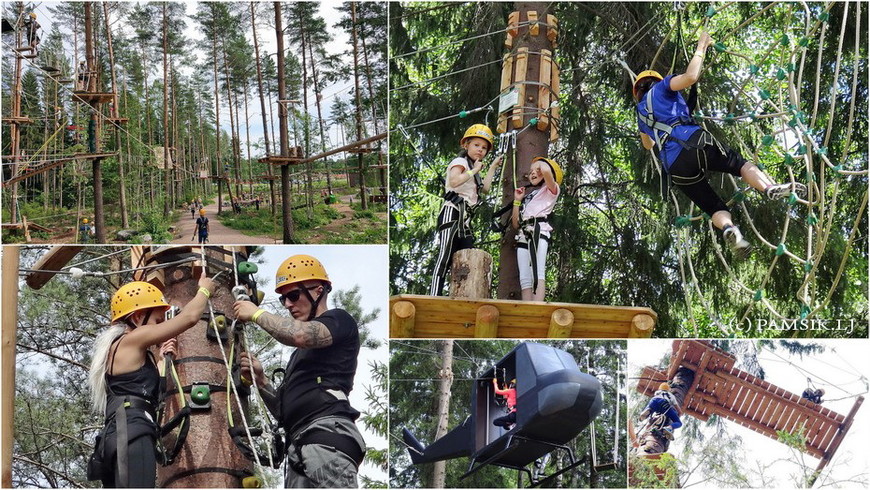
(687, 152)
(663, 405)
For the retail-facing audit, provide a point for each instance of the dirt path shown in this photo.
(218, 233)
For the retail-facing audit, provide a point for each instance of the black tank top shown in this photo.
(143, 382)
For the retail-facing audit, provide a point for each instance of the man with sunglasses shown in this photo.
(325, 448)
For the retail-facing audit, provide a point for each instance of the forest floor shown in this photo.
(218, 233)
(340, 230)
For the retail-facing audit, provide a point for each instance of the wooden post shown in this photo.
(641, 326)
(561, 324)
(486, 322)
(287, 217)
(471, 274)
(402, 316)
(10, 327)
(531, 142)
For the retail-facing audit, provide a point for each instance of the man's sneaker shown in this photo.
(668, 432)
(781, 191)
(736, 242)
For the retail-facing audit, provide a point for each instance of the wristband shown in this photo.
(517, 203)
(205, 292)
(701, 55)
(257, 314)
(470, 172)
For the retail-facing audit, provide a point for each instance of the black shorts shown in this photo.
(689, 170)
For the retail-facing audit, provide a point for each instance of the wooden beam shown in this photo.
(345, 147)
(838, 439)
(9, 330)
(53, 260)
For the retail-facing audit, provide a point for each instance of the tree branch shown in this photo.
(55, 356)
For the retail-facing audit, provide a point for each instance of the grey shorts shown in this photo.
(318, 465)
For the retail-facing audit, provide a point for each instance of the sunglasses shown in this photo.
(294, 295)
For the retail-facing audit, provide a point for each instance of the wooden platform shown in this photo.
(443, 317)
(721, 389)
(92, 97)
(276, 160)
(46, 166)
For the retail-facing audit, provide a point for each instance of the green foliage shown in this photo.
(614, 241)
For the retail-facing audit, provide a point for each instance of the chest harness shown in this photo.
(466, 210)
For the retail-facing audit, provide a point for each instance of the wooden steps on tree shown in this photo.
(443, 317)
(721, 389)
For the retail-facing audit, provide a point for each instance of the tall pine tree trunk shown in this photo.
(266, 125)
(439, 472)
(359, 131)
(218, 166)
(317, 97)
(122, 198)
(282, 121)
(167, 158)
(530, 144)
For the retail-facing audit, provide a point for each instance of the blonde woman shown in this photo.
(124, 381)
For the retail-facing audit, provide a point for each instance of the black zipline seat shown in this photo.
(718, 388)
(555, 402)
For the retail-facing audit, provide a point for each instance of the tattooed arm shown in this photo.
(289, 331)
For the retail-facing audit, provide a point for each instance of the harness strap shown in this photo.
(121, 443)
(339, 442)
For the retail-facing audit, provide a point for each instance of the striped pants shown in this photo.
(454, 234)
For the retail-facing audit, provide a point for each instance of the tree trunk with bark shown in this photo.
(530, 143)
(439, 473)
(282, 121)
(359, 131)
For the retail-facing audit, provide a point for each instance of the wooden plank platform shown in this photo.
(92, 97)
(276, 160)
(442, 317)
(721, 389)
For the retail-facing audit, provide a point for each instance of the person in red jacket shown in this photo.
(510, 394)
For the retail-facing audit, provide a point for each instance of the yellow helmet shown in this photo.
(32, 15)
(202, 211)
(85, 220)
(557, 170)
(665, 387)
(299, 268)
(478, 131)
(135, 296)
(514, 381)
(641, 76)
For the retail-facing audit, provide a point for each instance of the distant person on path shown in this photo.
(201, 227)
(192, 210)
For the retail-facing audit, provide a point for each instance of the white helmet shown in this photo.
(668, 397)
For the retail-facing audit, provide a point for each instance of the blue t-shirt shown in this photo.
(660, 405)
(669, 107)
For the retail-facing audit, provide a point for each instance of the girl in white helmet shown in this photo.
(124, 381)
(463, 188)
